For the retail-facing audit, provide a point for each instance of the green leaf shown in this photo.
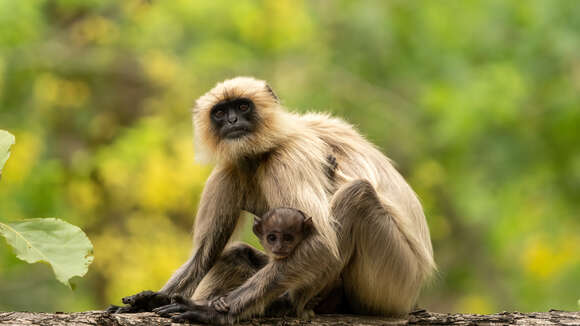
(62, 245)
(6, 141)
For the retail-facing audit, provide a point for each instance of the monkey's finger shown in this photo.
(192, 316)
(112, 309)
(170, 308)
(221, 307)
(128, 309)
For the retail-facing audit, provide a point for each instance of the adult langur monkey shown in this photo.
(371, 230)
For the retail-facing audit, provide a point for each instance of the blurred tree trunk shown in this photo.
(422, 317)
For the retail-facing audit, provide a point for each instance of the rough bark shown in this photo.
(553, 317)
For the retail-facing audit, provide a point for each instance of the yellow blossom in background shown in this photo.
(84, 196)
(116, 176)
(134, 8)
(46, 89)
(475, 304)
(279, 24)
(543, 260)
(52, 90)
(24, 155)
(73, 93)
(159, 187)
(94, 29)
(160, 67)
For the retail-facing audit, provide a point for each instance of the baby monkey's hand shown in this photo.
(220, 304)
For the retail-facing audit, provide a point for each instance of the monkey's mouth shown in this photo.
(235, 133)
(280, 255)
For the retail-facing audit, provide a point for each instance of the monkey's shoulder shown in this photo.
(326, 123)
(333, 131)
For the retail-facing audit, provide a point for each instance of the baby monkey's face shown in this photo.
(281, 230)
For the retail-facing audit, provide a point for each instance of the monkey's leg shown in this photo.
(382, 275)
(304, 300)
(237, 264)
(321, 296)
(330, 300)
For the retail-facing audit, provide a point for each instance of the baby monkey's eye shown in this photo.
(288, 237)
(271, 238)
(244, 107)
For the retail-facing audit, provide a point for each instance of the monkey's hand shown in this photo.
(220, 304)
(141, 302)
(189, 311)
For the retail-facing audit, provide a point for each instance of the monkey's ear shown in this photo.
(271, 91)
(308, 225)
(257, 228)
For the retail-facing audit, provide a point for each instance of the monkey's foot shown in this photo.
(167, 310)
(189, 311)
(199, 314)
(177, 304)
(195, 316)
(113, 309)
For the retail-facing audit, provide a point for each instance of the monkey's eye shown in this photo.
(271, 238)
(244, 107)
(288, 238)
(219, 114)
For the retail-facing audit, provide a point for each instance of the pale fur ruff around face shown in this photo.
(268, 131)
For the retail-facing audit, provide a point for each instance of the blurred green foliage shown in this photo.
(477, 101)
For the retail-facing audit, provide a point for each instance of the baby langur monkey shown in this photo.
(280, 231)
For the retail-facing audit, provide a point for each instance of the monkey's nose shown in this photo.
(232, 117)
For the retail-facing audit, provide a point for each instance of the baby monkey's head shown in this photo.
(280, 230)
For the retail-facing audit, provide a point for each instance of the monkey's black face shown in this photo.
(281, 244)
(234, 119)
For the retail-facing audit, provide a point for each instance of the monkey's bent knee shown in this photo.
(360, 185)
(237, 249)
(354, 192)
(240, 252)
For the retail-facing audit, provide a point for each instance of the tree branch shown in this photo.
(421, 317)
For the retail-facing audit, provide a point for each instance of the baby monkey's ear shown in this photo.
(307, 223)
(257, 228)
